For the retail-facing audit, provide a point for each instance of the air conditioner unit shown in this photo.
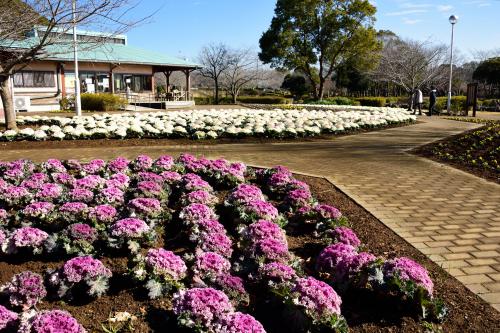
(22, 103)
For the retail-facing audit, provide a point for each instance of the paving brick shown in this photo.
(477, 288)
(486, 254)
(494, 286)
(481, 262)
(473, 279)
(480, 270)
(453, 256)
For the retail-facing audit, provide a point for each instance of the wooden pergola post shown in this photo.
(167, 77)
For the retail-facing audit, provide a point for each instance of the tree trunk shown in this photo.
(234, 98)
(8, 103)
(216, 92)
(321, 88)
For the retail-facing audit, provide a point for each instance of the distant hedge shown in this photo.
(264, 100)
(334, 101)
(102, 102)
(372, 101)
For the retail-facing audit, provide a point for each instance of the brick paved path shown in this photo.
(451, 216)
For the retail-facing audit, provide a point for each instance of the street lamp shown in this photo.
(78, 100)
(453, 20)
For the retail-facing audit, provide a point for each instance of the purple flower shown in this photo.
(331, 258)
(259, 210)
(84, 268)
(238, 322)
(196, 212)
(73, 165)
(271, 250)
(90, 182)
(38, 209)
(145, 206)
(142, 163)
(81, 194)
(344, 235)
(263, 229)
(35, 181)
(245, 193)
(279, 181)
(191, 182)
(151, 189)
(7, 318)
(327, 212)
(53, 165)
(200, 197)
(64, 179)
(408, 270)
(359, 261)
(233, 287)
(149, 177)
(15, 195)
(166, 264)
(111, 196)
(277, 273)
(94, 167)
(25, 290)
(118, 180)
(119, 164)
(298, 198)
(129, 228)
(317, 298)
(73, 208)
(27, 237)
(3, 236)
(164, 163)
(200, 307)
(102, 214)
(210, 265)
(54, 321)
(80, 231)
(3, 216)
(206, 226)
(219, 243)
(171, 177)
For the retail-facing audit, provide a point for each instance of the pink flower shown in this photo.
(271, 250)
(238, 322)
(119, 164)
(219, 243)
(277, 273)
(263, 229)
(7, 318)
(166, 263)
(84, 268)
(200, 307)
(408, 270)
(210, 265)
(316, 297)
(344, 235)
(196, 212)
(55, 321)
(129, 228)
(28, 237)
(25, 290)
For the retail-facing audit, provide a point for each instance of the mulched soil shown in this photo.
(99, 143)
(364, 313)
(456, 146)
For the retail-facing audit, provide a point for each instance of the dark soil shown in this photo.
(364, 312)
(22, 145)
(459, 150)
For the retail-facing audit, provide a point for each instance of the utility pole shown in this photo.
(78, 100)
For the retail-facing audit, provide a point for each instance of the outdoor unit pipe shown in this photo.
(58, 93)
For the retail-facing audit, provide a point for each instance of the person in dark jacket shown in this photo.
(432, 101)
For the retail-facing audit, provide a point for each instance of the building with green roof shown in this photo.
(107, 64)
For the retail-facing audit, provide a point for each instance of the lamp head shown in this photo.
(453, 19)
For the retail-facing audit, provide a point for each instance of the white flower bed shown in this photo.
(202, 124)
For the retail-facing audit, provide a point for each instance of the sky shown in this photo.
(181, 27)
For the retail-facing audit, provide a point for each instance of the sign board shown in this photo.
(471, 99)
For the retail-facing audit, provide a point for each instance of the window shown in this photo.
(137, 83)
(34, 79)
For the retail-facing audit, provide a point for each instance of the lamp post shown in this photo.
(453, 20)
(78, 100)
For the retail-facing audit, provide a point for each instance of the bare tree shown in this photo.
(215, 59)
(243, 70)
(411, 64)
(54, 19)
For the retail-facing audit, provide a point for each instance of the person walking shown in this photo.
(432, 100)
(418, 100)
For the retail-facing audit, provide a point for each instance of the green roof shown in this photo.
(108, 53)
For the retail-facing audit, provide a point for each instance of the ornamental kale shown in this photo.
(234, 288)
(77, 239)
(218, 243)
(85, 272)
(131, 232)
(199, 308)
(25, 290)
(199, 197)
(26, 239)
(244, 194)
(145, 207)
(238, 322)
(7, 318)
(51, 321)
(162, 271)
(407, 274)
(193, 213)
(209, 266)
(319, 303)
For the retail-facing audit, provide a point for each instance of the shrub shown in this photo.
(457, 103)
(264, 100)
(102, 102)
(372, 101)
(334, 101)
